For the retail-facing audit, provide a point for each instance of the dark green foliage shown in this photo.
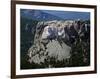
(27, 31)
(78, 54)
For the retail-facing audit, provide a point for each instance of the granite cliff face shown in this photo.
(55, 42)
(47, 45)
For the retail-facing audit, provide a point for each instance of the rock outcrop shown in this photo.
(54, 40)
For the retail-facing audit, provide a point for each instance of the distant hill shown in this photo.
(38, 15)
(54, 15)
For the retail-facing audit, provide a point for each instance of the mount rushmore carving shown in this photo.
(60, 44)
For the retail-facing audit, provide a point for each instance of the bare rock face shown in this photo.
(49, 42)
(58, 51)
(53, 42)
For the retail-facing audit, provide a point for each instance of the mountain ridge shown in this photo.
(38, 15)
(46, 15)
